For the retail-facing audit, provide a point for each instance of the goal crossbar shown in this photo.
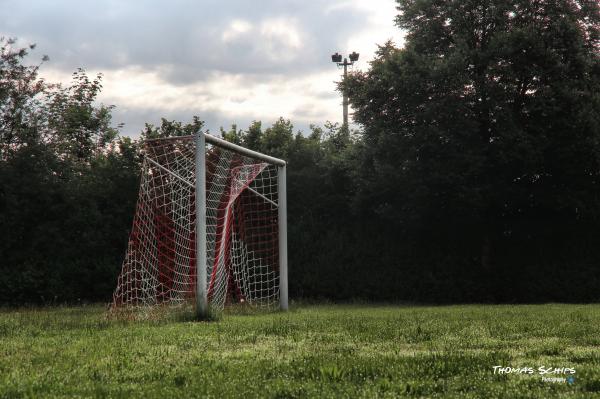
(231, 146)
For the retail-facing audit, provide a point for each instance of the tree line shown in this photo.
(474, 175)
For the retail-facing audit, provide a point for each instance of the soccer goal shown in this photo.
(209, 228)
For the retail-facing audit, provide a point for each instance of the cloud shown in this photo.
(236, 29)
(281, 34)
(227, 62)
(185, 34)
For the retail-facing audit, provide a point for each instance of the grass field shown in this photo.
(310, 351)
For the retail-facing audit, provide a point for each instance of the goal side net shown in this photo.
(244, 212)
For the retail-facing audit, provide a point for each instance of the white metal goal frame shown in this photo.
(201, 259)
(219, 241)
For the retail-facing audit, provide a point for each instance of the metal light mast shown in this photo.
(337, 58)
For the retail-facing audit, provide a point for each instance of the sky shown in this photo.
(228, 61)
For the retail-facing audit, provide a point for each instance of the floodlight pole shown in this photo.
(201, 278)
(345, 97)
(337, 58)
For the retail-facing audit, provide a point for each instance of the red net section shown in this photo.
(241, 229)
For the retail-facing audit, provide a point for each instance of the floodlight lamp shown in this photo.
(354, 56)
(336, 57)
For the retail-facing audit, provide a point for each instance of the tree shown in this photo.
(20, 91)
(67, 186)
(233, 135)
(253, 136)
(77, 128)
(486, 122)
(172, 129)
(277, 139)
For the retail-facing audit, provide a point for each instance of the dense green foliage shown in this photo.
(311, 351)
(481, 147)
(475, 175)
(67, 187)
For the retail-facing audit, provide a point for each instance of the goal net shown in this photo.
(244, 210)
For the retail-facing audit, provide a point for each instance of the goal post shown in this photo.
(200, 166)
(282, 220)
(210, 228)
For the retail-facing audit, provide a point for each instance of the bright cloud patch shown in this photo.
(237, 98)
(282, 38)
(236, 29)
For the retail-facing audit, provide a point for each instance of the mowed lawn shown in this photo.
(311, 351)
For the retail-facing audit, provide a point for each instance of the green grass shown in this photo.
(310, 351)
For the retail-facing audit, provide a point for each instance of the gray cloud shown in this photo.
(191, 44)
(135, 120)
(186, 35)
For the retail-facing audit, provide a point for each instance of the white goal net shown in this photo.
(242, 229)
